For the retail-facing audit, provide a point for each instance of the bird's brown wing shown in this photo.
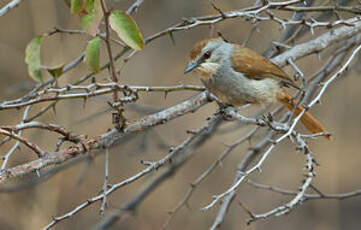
(254, 65)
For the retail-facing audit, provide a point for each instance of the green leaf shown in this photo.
(76, 6)
(86, 21)
(89, 5)
(32, 58)
(126, 29)
(90, 22)
(56, 71)
(92, 54)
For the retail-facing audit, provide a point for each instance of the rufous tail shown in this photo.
(309, 121)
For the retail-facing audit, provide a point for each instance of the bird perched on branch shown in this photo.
(238, 76)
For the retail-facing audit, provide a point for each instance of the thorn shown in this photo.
(319, 56)
(269, 117)
(272, 141)
(249, 140)
(221, 35)
(172, 38)
(315, 162)
(241, 173)
(54, 109)
(37, 172)
(246, 210)
(217, 9)
(191, 132)
(187, 205)
(84, 102)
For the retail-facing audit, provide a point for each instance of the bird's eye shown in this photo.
(207, 55)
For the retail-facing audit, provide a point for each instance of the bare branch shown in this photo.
(108, 139)
(307, 196)
(194, 139)
(105, 185)
(41, 153)
(17, 143)
(12, 4)
(92, 90)
(281, 210)
(134, 7)
(229, 194)
(179, 160)
(205, 174)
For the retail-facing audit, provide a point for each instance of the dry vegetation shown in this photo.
(140, 146)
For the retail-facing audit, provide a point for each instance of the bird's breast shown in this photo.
(236, 89)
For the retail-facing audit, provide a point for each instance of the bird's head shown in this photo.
(206, 56)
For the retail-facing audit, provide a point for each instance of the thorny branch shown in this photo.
(94, 90)
(152, 165)
(310, 162)
(306, 196)
(202, 135)
(229, 194)
(288, 133)
(338, 30)
(108, 139)
(205, 174)
(17, 143)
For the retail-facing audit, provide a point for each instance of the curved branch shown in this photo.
(108, 139)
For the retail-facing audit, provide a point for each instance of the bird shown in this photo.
(237, 75)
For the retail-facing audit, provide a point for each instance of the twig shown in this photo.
(281, 210)
(101, 35)
(307, 196)
(32, 93)
(42, 111)
(134, 7)
(350, 9)
(299, 51)
(93, 90)
(113, 72)
(179, 160)
(331, 79)
(6, 158)
(41, 153)
(205, 174)
(105, 185)
(243, 165)
(9, 6)
(152, 166)
(229, 194)
(108, 139)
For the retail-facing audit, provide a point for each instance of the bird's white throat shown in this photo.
(208, 69)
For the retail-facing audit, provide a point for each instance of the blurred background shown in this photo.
(162, 63)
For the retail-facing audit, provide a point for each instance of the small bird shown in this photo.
(237, 76)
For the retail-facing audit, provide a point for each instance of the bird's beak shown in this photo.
(191, 66)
